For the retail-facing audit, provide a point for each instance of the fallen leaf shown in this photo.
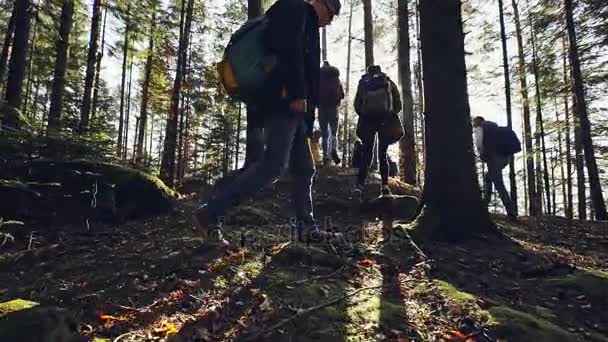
(366, 262)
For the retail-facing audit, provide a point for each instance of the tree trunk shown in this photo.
(534, 206)
(98, 66)
(125, 57)
(238, 135)
(452, 199)
(8, 39)
(507, 76)
(62, 47)
(346, 126)
(145, 93)
(85, 110)
(167, 171)
(254, 8)
(30, 75)
(16, 72)
(128, 112)
(419, 86)
(560, 158)
(553, 187)
(324, 44)
(569, 206)
(406, 145)
(369, 32)
(597, 198)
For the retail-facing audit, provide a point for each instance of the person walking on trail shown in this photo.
(495, 145)
(331, 94)
(377, 104)
(287, 104)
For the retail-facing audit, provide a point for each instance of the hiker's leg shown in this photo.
(254, 146)
(498, 180)
(367, 140)
(333, 126)
(324, 125)
(280, 133)
(487, 189)
(383, 160)
(375, 153)
(302, 168)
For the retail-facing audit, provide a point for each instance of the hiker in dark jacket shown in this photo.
(331, 94)
(377, 103)
(489, 141)
(288, 105)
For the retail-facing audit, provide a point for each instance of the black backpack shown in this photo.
(507, 142)
(377, 93)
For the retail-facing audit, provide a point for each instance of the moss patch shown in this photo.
(518, 326)
(15, 305)
(593, 284)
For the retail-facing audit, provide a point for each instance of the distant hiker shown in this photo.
(357, 154)
(331, 94)
(393, 168)
(378, 104)
(315, 147)
(496, 145)
(286, 102)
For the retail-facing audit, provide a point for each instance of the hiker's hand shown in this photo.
(298, 105)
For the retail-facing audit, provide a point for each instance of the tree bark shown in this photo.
(167, 170)
(569, 206)
(346, 126)
(128, 112)
(324, 44)
(125, 57)
(419, 86)
(16, 72)
(145, 93)
(560, 157)
(6, 48)
(406, 145)
(62, 47)
(507, 76)
(98, 66)
(30, 75)
(452, 199)
(581, 186)
(85, 109)
(597, 198)
(534, 206)
(368, 32)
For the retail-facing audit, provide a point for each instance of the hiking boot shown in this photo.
(386, 190)
(336, 158)
(216, 235)
(326, 162)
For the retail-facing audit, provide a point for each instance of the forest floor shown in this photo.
(539, 280)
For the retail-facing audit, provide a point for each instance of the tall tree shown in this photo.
(452, 199)
(8, 39)
(597, 198)
(85, 110)
(167, 170)
(566, 80)
(62, 46)
(16, 72)
(128, 111)
(581, 186)
(125, 58)
(145, 92)
(560, 159)
(531, 176)
(507, 77)
(98, 59)
(30, 66)
(345, 126)
(368, 27)
(406, 145)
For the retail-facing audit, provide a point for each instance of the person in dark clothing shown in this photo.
(287, 104)
(377, 103)
(490, 142)
(331, 94)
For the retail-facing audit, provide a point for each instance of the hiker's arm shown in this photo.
(397, 105)
(358, 100)
(341, 91)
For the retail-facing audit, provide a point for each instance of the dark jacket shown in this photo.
(331, 91)
(293, 34)
(397, 105)
(489, 143)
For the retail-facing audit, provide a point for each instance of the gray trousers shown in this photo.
(493, 178)
(286, 147)
(328, 121)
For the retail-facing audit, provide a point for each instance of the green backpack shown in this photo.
(247, 63)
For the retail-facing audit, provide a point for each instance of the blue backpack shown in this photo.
(507, 142)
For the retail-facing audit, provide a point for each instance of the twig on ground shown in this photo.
(311, 309)
(123, 335)
(300, 282)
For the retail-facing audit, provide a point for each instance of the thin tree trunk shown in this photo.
(137, 119)
(6, 48)
(419, 86)
(35, 107)
(531, 177)
(145, 93)
(128, 113)
(368, 27)
(525, 173)
(167, 171)
(150, 150)
(507, 77)
(98, 66)
(452, 199)
(346, 130)
(581, 186)
(560, 157)
(62, 47)
(569, 206)
(85, 110)
(324, 44)
(125, 57)
(597, 198)
(553, 187)
(238, 135)
(406, 145)
(30, 76)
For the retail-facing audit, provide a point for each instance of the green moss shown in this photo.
(518, 326)
(220, 282)
(15, 305)
(593, 284)
(454, 294)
